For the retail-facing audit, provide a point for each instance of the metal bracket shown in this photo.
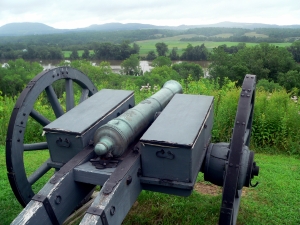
(75, 161)
(43, 199)
(98, 212)
(63, 143)
(119, 172)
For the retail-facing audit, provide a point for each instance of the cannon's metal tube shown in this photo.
(115, 136)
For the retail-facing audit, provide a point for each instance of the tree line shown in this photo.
(66, 40)
(269, 62)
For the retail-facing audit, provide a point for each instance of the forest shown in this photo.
(109, 44)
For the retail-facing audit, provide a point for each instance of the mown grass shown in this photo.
(254, 34)
(149, 45)
(276, 200)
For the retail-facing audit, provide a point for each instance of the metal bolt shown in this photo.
(129, 180)
(112, 210)
(24, 114)
(58, 199)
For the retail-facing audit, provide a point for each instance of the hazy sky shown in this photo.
(82, 13)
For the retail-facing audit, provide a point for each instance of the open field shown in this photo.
(149, 45)
(276, 200)
(254, 34)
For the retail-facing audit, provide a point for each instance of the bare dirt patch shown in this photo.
(207, 189)
(211, 189)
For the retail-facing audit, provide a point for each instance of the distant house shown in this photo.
(24, 50)
(5, 65)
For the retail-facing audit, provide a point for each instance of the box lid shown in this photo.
(89, 112)
(180, 122)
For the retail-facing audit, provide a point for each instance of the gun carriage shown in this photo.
(159, 145)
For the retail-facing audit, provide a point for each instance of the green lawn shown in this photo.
(148, 45)
(276, 200)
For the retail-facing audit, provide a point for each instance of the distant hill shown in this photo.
(26, 28)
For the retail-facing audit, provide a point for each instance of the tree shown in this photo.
(174, 55)
(161, 48)
(74, 54)
(197, 53)
(264, 60)
(186, 69)
(86, 54)
(295, 50)
(161, 61)
(135, 49)
(151, 55)
(290, 79)
(16, 75)
(131, 66)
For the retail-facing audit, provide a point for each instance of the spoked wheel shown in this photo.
(232, 186)
(24, 113)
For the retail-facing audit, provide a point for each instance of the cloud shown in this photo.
(82, 13)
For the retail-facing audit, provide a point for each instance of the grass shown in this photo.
(276, 200)
(149, 45)
(254, 34)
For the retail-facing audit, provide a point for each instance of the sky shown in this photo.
(70, 14)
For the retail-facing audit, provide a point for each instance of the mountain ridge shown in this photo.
(32, 28)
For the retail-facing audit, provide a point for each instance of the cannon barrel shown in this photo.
(114, 137)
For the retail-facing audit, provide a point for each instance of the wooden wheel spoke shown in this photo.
(39, 118)
(84, 95)
(36, 146)
(69, 95)
(19, 181)
(58, 111)
(44, 168)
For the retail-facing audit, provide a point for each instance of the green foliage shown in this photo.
(276, 116)
(16, 75)
(174, 55)
(109, 50)
(295, 50)
(197, 53)
(131, 66)
(161, 48)
(74, 54)
(186, 69)
(151, 55)
(161, 61)
(269, 86)
(290, 79)
(264, 60)
(86, 54)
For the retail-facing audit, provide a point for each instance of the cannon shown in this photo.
(159, 145)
